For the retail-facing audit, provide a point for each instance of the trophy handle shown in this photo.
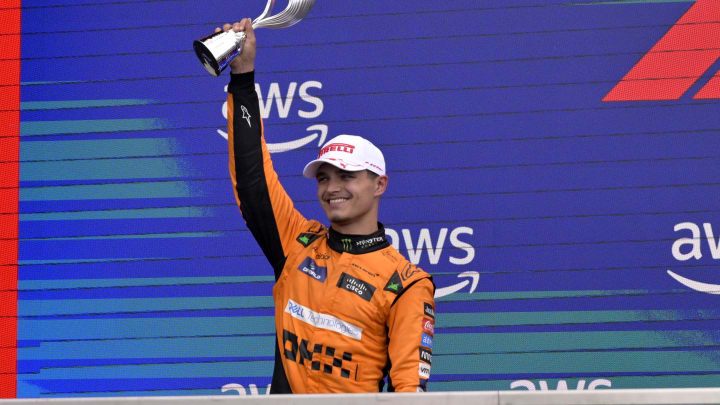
(268, 9)
(295, 11)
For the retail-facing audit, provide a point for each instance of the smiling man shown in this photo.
(350, 311)
(350, 173)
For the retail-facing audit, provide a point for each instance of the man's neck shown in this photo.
(355, 228)
(358, 243)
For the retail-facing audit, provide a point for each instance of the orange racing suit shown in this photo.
(349, 309)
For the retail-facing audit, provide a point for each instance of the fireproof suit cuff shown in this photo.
(242, 81)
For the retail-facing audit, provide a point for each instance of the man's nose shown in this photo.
(334, 184)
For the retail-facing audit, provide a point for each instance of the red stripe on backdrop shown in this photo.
(711, 89)
(677, 60)
(9, 194)
(9, 96)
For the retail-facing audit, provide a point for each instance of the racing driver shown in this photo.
(349, 309)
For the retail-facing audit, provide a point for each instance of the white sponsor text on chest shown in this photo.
(323, 321)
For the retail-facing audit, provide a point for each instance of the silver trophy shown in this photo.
(217, 50)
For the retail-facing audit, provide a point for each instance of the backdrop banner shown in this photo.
(554, 164)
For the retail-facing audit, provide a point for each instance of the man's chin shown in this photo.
(338, 219)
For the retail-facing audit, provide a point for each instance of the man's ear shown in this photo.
(381, 183)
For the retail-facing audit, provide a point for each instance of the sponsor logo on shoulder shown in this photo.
(394, 285)
(409, 271)
(356, 286)
(429, 311)
(309, 267)
(426, 341)
(323, 321)
(424, 370)
(428, 326)
(307, 238)
(426, 355)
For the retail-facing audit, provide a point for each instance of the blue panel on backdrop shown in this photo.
(574, 241)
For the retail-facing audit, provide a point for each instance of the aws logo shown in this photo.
(685, 248)
(307, 106)
(417, 245)
(240, 389)
(562, 385)
(678, 60)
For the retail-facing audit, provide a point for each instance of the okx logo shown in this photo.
(678, 60)
(331, 362)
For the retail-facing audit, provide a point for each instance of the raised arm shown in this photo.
(268, 211)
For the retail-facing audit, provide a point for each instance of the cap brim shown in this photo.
(310, 170)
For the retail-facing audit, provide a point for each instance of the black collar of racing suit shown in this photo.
(358, 244)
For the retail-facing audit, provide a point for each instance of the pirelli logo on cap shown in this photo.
(339, 147)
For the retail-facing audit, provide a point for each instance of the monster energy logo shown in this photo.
(347, 244)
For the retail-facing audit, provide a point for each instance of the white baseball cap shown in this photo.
(348, 152)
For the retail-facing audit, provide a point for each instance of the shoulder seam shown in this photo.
(412, 284)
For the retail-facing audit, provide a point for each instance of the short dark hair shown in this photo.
(372, 174)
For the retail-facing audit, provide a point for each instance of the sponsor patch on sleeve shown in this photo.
(429, 311)
(424, 370)
(356, 286)
(426, 341)
(428, 326)
(425, 355)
